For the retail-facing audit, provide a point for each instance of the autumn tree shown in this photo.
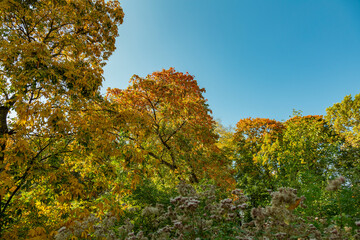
(52, 54)
(249, 137)
(255, 169)
(167, 127)
(345, 118)
(303, 152)
(294, 153)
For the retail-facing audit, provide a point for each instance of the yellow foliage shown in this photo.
(51, 57)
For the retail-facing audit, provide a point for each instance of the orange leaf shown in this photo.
(294, 205)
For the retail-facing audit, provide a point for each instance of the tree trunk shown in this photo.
(3, 130)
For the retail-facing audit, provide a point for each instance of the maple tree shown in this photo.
(166, 125)
(52, 54)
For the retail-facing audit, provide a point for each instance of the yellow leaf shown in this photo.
(32, 233)
(84, 234)
(40, 230)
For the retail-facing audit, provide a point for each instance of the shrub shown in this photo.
(200, 215)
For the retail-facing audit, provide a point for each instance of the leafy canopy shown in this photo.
(166, 122)
(52, 54)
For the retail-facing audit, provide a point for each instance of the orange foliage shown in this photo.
(166, 118)
(254, 130)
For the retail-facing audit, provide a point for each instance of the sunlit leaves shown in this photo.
(345, 117)
(167, 121)
(52, 54)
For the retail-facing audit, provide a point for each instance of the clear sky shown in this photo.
(255, 58)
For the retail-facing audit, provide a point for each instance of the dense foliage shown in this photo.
(149, 161)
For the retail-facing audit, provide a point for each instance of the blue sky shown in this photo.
(255, 58)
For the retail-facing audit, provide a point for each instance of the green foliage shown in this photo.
(149, 193)
(304, 154)
(345, 117)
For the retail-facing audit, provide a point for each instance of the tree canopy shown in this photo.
(166, 122)
(52, 54)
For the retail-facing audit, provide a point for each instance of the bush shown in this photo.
(200, 215)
